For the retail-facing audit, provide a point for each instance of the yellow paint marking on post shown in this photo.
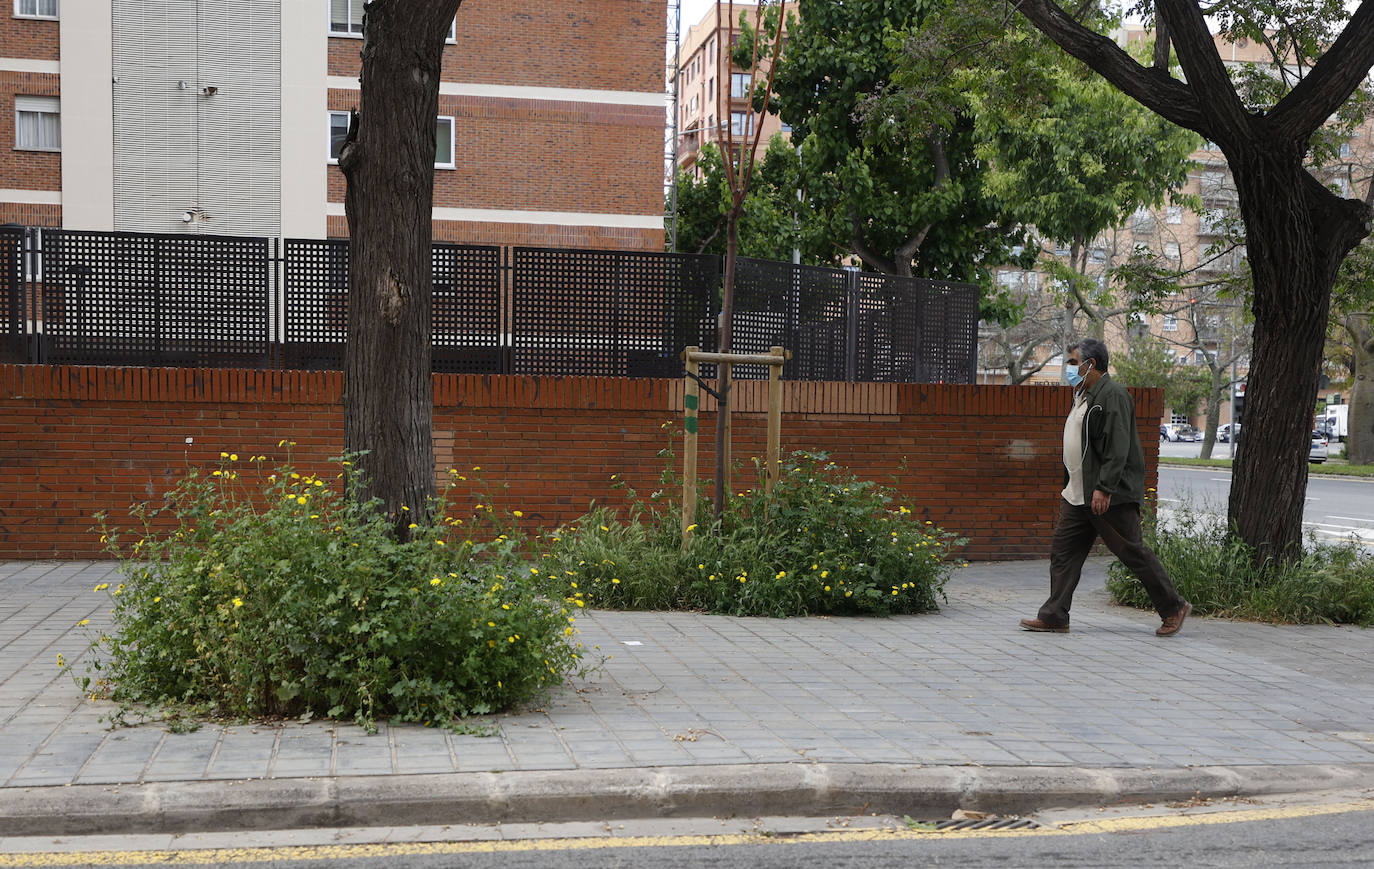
(208, 857)
(691, 402)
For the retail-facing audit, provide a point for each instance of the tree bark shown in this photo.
(1297, 233)
(1359, 439)
(388, 162)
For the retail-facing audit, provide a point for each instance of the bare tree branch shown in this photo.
(1341, 69)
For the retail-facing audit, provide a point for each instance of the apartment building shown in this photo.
(713, 93)
(226, 118)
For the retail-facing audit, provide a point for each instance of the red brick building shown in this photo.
(166, 116)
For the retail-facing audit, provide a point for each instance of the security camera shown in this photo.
(188, 216)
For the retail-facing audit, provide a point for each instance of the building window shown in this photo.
(1143, 220)
(443, 139)
(1175, 214)
(1345, 149)
(1170, 323)
(740, 83)
(443, 144)
(35, 8)
(346, 17)
(1171, 250)
(741, 124)
(338, 131)
(37, 124)
(1098, 254)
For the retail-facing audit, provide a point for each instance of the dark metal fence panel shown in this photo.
(13, 297)
(949, 333)
(467, 313)
(121, 298)
(314, 304)
(616, 313)
(912, 330)
(125, 298)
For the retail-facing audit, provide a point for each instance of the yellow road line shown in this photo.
(203, 857)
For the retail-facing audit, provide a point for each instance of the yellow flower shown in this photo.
(692, 527)
(301, 499)
(233, 457)
(238, 602)
(61, 661)
(827, 588)
(320, 483)
(477, 467)
(615, 581)
(781, 574)
(517, 514)
(436, 581)
(224, 455)
(505, 606)
(579, 603)
(534, 571)
(157, 599)
(848, 593)
(216, 473)
(405, 509)
(101, 587)
(824, 574)
(604, 528)
(83, 623)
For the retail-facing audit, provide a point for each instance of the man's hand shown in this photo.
(1101, 501)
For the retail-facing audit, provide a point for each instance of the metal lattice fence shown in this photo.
(623, 313)
(139, 299)
(14, 339)
(130, 299)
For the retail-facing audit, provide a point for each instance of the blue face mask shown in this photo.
(1072, 376)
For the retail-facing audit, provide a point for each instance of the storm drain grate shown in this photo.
(986, 824)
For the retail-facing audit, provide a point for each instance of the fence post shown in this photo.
(774, 418)
(691, 400)
(851, 352)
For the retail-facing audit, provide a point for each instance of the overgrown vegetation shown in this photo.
(284, 594)
(261, 593)
(825, 542)
(1216, 572)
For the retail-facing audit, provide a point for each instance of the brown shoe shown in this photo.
(1174, 622)
(1037, 625)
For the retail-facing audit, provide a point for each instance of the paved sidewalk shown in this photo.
(715, 714)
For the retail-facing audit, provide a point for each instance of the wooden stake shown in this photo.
(774, 418)
(691, 401)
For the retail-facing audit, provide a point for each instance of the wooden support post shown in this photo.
(691, 401)
(774, 418)
(726, 402)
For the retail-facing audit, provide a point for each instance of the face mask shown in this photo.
(1073, 377)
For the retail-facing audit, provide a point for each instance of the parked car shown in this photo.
(1319, 451)
(1176, 432)
(1224, 432)
(1188, 433)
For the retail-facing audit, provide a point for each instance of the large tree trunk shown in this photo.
(1297, 233)
(1359, 439)
(388, 162)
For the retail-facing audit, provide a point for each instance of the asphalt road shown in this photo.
(1336, 508)
(1337, 834)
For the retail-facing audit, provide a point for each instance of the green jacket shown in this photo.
(1112, 459)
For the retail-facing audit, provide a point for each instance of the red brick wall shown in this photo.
(28, 38)
(983, 461)
(543, 155)
(535, 235)
(26, 170)
(580, 44)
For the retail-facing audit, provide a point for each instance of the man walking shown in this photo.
(1105, 486)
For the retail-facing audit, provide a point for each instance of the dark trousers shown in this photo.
(1119, 528)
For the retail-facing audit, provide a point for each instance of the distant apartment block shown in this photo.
(713, 93)
(226, 118)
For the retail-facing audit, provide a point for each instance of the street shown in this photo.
(1232, 834)
(1337, 508)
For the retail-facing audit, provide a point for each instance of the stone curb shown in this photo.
(585, 795)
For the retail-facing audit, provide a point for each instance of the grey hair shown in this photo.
(1091, 348)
